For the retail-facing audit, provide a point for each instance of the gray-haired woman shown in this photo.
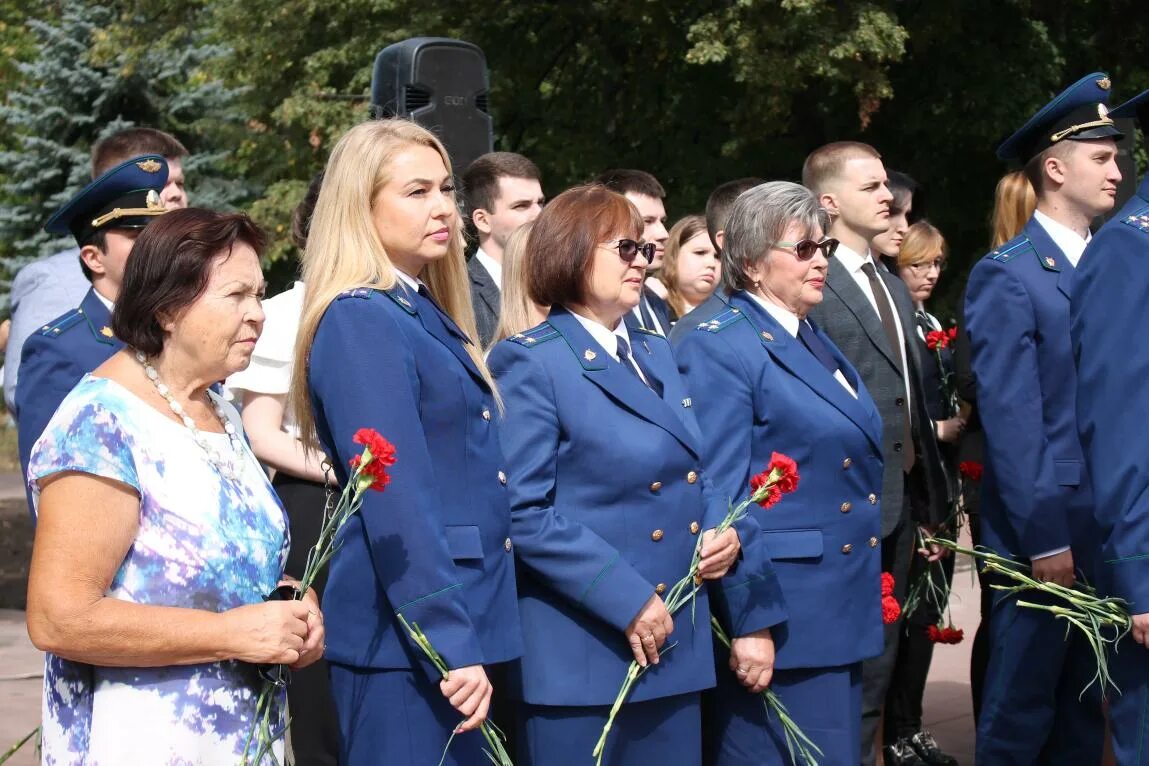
(784, 387)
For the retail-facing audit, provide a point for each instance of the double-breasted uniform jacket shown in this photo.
(849, 319)
(1109, 324)
(52, 362)
(1036, 493)
(435, 546)
(486, 299)
(758, 390)
(608, 499)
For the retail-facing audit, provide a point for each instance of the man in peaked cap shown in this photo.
(1037, 500)
(104, 218)
(1108, 323)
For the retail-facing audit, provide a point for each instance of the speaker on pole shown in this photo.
(442, 84)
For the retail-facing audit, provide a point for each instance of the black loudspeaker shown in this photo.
(442, 84)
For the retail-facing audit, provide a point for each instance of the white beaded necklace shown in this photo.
(228, 469)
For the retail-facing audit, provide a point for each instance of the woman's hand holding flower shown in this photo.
(719, 552)
(648, 630)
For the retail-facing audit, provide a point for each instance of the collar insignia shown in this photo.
(589, 355)
(767, 336)
(1050, 262)
(107, 332)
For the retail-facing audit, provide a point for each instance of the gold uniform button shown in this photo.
(655, 486)
(507, 544)
(691, 477)
(873, 542)
(660, 588)
(486, 414)
(502, 478)
(847, 548)
(873, 499)
(656, 535)
(694, 527)
(846, 506)
(847, 463)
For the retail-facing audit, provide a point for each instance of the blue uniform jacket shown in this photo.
(52, 362)
(758, 390)
(435, 545)
(608, 499)
(1036, 494)
(1109, 327)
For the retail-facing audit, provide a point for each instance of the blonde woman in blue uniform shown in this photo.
(387, 333)
(608, 498)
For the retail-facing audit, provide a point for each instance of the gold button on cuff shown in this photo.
(847, 548)
(873, 499)
(507, 544)
(846, 506)
(655, 486)
(847, 463)
(691, 477)
(695, 527)
(656, 535)
(486, 414)
(660, 588)
(873, 542)
(502, 478)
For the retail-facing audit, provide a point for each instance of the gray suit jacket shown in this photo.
(848, 317)
(486, 299)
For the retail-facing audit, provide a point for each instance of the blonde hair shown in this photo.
(1014, 201)
(516, 309)
(681, 233)
(344, 250)
(923, 242)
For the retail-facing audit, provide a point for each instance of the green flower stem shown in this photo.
(16, 748)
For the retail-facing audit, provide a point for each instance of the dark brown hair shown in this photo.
(826, 162)
(720, 201)
(622, 181)
(481, 179)
(125, 144)
(565, 236)
(169, 268)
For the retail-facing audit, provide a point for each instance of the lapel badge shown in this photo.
(149, 166)
(686, 402)
(107, 332)
(589, 355)
(767, 336)
(1050, 262)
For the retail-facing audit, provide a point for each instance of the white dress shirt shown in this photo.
(1069, 241)
(608, 339)
(790, 321)
(493, 267)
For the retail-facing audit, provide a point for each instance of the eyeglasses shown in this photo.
(628, 250)
(925, 266)
(806, 248)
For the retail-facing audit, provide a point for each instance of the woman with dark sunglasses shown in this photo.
(763, 378)
(608, 500)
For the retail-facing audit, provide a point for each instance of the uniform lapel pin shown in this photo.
(589, 355)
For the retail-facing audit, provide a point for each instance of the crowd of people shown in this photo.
(573, 408)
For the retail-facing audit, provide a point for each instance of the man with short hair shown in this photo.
(645, 193)
(868, 313)
(46, 288)
(104, 218)
(503, 191)
(718, 206)
(1037, 498)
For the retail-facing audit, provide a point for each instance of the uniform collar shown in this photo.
(788, 319)
(603, 335)
(1067, 240)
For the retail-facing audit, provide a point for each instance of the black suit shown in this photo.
(485, 299)
(851, 321)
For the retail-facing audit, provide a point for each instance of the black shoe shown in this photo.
(902, 753)
(927, 749)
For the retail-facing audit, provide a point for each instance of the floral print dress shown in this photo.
(204, 542)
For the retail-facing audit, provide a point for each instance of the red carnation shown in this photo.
(377, 455)
(891, 610)
(936, 339)
(971, 470)
(952, 333)
(954, 635)
(788, 472)
(935, 634)
(779, 478)
(887, 584)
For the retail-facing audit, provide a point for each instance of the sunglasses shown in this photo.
(628, 250)
(806, 248)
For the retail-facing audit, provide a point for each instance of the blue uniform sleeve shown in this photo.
(749, 597)
(1109, 327)
(569, 557)
(1003, 336)
(47, 374)
(361, 374)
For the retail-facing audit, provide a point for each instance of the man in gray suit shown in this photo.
(503, 191)
(45, 289)
(868, 314)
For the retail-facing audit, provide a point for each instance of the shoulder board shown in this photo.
(401, 298)
(535, 335)
(1138, 219)
(1011, 250)
(60, 324)
(720, 321)
(358, 292)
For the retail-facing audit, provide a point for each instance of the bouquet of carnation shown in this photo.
(766, 489)
(369, 471)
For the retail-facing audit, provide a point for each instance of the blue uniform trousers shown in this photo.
(661, 732)
(1033, 710)
(826, 703)
(1129, 707)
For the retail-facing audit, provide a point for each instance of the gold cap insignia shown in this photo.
(589, 355)
(1104, 83)
(149, 165)
(107, 332)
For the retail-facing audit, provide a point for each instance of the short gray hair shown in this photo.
(759, 219)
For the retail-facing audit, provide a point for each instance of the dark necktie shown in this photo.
(816, 347)
(886, 314)
(628, 362)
